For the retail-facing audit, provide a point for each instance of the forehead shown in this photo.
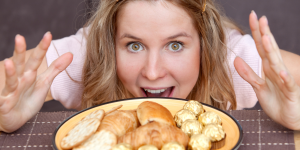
(153, 16)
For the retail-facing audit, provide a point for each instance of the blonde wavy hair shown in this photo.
(214, 84)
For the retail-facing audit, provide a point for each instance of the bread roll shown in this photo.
(154, 133)
(119, 122)
(150, 111)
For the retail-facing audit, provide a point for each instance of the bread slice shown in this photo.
(103, 140)
(82, 131)
(98, 114)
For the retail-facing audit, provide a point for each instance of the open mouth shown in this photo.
(166, 92)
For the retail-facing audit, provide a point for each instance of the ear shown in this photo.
(247, 73)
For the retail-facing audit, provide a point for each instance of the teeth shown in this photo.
(155, 91)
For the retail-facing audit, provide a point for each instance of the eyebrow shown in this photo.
(126, 35)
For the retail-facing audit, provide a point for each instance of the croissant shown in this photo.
(119, 122)
(154, 133)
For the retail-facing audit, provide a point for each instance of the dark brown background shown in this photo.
(32, 18)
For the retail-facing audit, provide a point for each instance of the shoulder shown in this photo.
(235, 40)
(76, 44)
(244, 47)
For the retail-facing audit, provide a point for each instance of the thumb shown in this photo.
(57, 66)
(247, 73)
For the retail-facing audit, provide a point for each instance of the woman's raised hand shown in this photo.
(25, 91)
(278, 93)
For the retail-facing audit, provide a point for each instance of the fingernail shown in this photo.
(17, 36)
(266, 19)
(5, 61)
(46, 33)
(253, 12)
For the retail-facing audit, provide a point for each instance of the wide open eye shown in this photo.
(135, 47)
(175, 46)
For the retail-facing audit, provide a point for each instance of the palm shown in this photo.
(277, 101)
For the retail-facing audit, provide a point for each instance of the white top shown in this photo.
(69, 93)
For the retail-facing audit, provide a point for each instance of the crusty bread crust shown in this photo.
(150, 111)
(120, 121)
(154, 133)
(113, 109)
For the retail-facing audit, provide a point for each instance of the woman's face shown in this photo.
(157, 49)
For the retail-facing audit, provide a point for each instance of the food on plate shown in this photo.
(173, 146)
(210, 117)
(113, 109)
(150, 126)
(81, 132)
(103, 140)
(183, 115)
(150, 111)
(148, 147)
(214, 131)
(194, 106)
(191, 127)
(98, 114)
(154, 133)
(122, 146)
(119, 122)
(199, 142)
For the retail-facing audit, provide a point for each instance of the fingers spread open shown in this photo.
(56, 67)
(11, 78)
(275, 63)
(38, 53)
(271, 54)
(247, 73)
(254, 26)
(19, 54)
(265, 30)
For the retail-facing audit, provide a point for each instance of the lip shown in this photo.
(157, 88)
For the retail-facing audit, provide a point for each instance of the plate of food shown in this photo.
(149, 122)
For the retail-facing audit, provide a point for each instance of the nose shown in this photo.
(154, 67)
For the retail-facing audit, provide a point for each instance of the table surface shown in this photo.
(260, 132)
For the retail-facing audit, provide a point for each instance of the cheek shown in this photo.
(188, 69)
(186, 72)
(127, 68)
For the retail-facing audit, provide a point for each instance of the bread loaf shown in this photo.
(150, 111)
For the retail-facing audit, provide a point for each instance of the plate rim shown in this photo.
(138, 98)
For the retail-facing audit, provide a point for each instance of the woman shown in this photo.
(154, 48)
